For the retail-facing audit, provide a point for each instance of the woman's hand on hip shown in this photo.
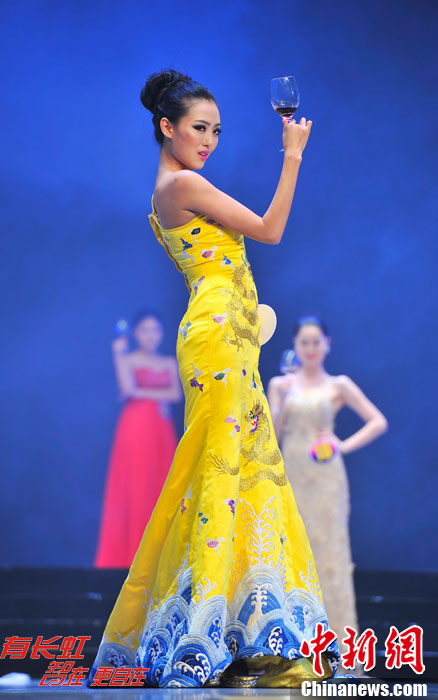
(328, 436)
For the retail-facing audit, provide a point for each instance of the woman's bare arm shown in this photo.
(275, 396)
(191, 191)
(375, 421)
(122, 368)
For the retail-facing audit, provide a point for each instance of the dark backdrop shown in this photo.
(78, 165)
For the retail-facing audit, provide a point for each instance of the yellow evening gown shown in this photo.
(224, 570)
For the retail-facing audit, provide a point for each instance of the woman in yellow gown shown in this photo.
(223, 582)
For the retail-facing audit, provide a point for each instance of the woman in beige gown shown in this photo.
(304, 404)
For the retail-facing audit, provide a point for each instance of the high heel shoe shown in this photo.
(270, 672)
(280, 672)
(236, 675)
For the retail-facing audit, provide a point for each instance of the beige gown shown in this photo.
(323, 500)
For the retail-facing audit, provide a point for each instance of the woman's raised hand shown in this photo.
(120, 345)
(295, 136)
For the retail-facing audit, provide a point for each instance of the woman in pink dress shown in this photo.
(144, 441)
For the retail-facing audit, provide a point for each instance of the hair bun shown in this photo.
(156, 84)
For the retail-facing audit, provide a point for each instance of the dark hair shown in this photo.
(141, 314)
(167, 94)
(310, 321)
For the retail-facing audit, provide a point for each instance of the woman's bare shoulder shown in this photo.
(275, 381)
(176, 185)
(345, 386)
(281, 382)
(341, 380)
(175, 197)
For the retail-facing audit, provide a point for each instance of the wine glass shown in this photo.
(121, 328)
(289, 361)
(285, 96)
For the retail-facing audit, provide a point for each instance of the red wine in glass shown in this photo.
(286, 111)
(285, 96)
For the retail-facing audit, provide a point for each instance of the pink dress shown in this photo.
(142, 452)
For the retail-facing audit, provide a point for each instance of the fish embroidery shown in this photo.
(220, 319)
(227, 261)
(209, 253)
(183, 329)
(231, 419)
(232, 503)
(194, 381)
(197, 284)
(195, 232)
(214, 544)
(186, 244)
(186, 247)
(222, 376)
(202, 520)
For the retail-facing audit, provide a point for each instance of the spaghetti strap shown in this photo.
(153, 205)
(155, 223)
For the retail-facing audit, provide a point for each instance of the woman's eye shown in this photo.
(201, 127)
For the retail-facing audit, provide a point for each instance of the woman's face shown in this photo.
(148, 334)
(311, 346)
(194, 138)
